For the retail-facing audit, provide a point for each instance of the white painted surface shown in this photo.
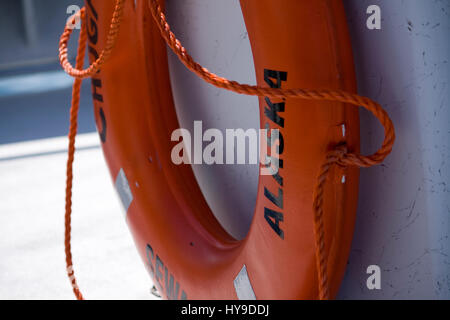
(32, 263)
(404, 206)
(243, 286)
(123, 190)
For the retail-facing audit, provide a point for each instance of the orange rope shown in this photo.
(340, 156)
(104, 55)
(79, 75)
(71, 152)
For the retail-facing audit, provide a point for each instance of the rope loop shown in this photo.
(106, 52)
(306, 94)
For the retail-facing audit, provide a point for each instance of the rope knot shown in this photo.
(338, 155)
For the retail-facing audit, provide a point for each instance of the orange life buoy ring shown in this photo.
(295, 44)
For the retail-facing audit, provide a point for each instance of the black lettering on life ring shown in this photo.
(272, 112)
(103, 129)
(92, 29)
(169, 285)
(94, 12)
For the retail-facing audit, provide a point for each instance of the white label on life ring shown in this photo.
(123, 189)
(243, 287)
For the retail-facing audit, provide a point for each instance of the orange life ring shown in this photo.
(295, 44)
